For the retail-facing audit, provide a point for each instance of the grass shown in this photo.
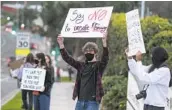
(65, 79)
(14, 104)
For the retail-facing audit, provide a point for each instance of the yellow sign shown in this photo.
(22, 52)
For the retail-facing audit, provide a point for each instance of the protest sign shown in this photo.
(87, 22)
(33, 79)
(134, 32)
(16, 64)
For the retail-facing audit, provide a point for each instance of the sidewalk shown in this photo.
(61, 97)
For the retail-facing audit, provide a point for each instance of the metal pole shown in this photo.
(17, 16)
(142, 9)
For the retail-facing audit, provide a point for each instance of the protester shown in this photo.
(29, 63)
(156, 79)
(42, 98)
(49, 65)
(88, 86)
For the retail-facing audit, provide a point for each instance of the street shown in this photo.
(8, 46)
(8, 84)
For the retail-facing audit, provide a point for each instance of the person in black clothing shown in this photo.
(27, 101)
(42, 99)
(88, 86)
(49, 64)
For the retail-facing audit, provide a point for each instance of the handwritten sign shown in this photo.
(33, 79)
(134, 32)
(87, 22)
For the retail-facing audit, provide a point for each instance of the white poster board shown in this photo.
(33, 79)
(87, 22)
(23, 39)
(134, 33)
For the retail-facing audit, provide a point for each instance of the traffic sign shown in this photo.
(23, 39)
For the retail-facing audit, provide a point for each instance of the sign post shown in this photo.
(87, 22)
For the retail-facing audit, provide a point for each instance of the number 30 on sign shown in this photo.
(23, 40)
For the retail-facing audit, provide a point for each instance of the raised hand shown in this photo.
(60, 41)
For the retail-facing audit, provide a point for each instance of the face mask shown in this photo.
(89, 56)
(36, 61)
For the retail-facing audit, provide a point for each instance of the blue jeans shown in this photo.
(41, 102)
(87, 105)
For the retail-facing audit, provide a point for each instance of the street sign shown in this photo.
(23, 40)
(23, 44)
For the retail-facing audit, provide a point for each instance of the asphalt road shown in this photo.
(8, 84)
(8, 46)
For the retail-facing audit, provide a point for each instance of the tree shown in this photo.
(26, 16)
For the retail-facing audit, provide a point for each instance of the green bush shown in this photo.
(115, 92)
(156, 32)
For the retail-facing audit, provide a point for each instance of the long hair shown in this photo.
(50, 61)
(41, 56)
(29, 58)
(159, 56)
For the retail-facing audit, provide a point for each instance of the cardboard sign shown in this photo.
(16, 64)
(33, 79)
(134, 32)
(87, 22)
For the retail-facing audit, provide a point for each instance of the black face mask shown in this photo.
(36, 61)
(89, 56)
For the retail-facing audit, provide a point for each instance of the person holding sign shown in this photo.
(42, 98)
(156, 80)
(88, 86)
(29, 63)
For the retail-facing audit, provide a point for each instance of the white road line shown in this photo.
(3, 42)
(9, 96)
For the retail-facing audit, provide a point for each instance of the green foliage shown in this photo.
(117, 42)
(163, 39)
(116, 89)
(26, 16)
(156, 32)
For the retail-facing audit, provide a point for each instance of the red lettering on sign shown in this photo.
(98, 15)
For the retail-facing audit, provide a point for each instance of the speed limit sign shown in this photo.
(23, 40)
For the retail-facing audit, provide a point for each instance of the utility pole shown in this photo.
(17, 15)
(142, 9)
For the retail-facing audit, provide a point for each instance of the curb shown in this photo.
(9, 97)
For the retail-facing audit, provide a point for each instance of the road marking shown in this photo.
(3, 42)
(9, 96)
(5, 79)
